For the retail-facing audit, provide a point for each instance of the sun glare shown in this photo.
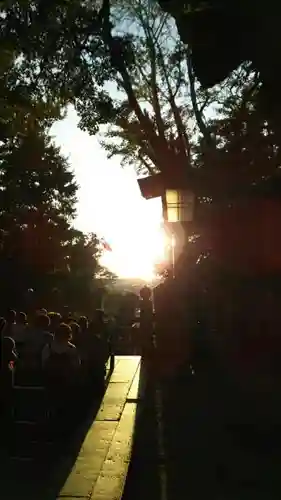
(110, 204)
(137, 254)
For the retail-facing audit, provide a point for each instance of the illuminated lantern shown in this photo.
(179, 202)
(179, 205)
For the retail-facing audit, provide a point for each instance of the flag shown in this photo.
(106, 245)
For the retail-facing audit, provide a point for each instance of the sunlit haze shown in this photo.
(110, 204)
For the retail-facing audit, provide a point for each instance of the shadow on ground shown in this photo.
(204, 457)
(43, 477)
(143, 478)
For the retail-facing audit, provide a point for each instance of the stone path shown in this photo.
(143, 480)
(101, 467)
(94, 463)
(171, 440)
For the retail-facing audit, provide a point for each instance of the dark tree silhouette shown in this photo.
(222, 34)
(39, 247)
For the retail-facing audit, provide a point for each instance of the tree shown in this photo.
(247, 155)
(159, 108)
(246, 161)
(67, 52)
(164, 121)
(40, 248)
(44, 50)
(85, 279)
(73, 49)
(150, 122)
(223, 34)
(37, 205)
(42, 67)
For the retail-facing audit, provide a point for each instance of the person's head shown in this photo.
(98, 321)
(11, 316)
(83, 322)
(55, 319)
(76, 330)
(21, 318)
(42, 322)
(2, 324)
(8, 346)
(68, 318)
(145, 293)
(63, 333)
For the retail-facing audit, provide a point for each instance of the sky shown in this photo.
(110, 203)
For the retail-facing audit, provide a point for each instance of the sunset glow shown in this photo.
(110, 204)
(136, 257)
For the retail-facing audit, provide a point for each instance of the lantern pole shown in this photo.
(173, 242)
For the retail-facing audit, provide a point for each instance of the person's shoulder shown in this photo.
(72, 349)
(73, 353)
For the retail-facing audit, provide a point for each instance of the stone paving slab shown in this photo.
(121, 380)
(113, 402)
(110, 483)
(90, 460)
(101, 467)
(124, 370)
(143, 481)
(133, 394)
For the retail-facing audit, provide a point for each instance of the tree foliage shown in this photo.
(69, 51)
(222, 35)
(40, 249)
(43, 67)
(145, 129)
(166, 122)
(159, 108)
(44, 45)
(123, 64)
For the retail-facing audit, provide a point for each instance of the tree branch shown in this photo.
(154, 88)
(138, 137)
(198, 115)
(148, 167)
(156, 144)
(183, 142)
(152, 83)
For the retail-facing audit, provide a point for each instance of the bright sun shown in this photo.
(137, 253)
(111, 205)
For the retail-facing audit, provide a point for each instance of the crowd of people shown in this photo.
(65, 355)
